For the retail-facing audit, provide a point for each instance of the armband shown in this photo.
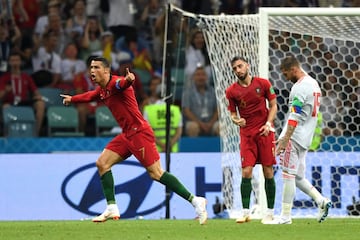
(292, 123)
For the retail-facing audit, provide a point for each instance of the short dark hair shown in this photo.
(236, 58)
(103, 61)
(89, 59)
(289, 62)
(14, 53)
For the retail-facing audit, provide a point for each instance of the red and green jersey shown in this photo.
(250, 102)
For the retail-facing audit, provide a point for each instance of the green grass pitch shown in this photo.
(301, 229)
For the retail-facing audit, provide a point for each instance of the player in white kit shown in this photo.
(295, 139)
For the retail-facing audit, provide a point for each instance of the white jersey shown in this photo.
(304, 103)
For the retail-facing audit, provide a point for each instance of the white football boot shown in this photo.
(245, 217)
(111, 212)
(269, 216)
(324, 209)
(199, 204)
(280, 220)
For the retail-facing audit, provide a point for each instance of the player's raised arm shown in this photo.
(130, 77)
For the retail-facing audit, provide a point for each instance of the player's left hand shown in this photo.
(264, 130)
(130, 77)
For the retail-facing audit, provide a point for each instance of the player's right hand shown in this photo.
(241, 122)
(66, 99)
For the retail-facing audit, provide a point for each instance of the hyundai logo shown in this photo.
(137, 188)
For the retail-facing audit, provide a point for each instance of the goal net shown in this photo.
(327, 42)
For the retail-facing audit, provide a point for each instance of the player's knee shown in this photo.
(154, 176)
(155, 173)
(247, 172)
(102, 165)
(192, 129)
(268, 172)
(216, 129)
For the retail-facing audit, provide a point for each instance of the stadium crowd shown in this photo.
(54, 39)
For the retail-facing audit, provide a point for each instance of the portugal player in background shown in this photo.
(137, 138)
(296, 137)
(247, 96)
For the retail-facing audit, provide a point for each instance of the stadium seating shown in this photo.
(63, 122)
(19, 121)
(104, 122)
(51, 96)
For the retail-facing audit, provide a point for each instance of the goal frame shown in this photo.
(265, 24)
(265, 12)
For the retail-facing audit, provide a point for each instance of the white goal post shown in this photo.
(327, 42)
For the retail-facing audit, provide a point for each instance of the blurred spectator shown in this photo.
(330, 3)
(138, 49)
(55, 26)
(52, 22)
(25, 14)
(70, 67)
(10, 37)
(46, 62)
(120, 19)
(231, 7)
(18, 88)
(66, 9)
(155, 114)
(196, 54)
(26, 52)
(75, 25)
(107, 50)
(125, 61)
(179, 32)
(53, 7)
(152, 96)
(199, 106)
(300, 3)
(91, 40)
(151, 13)
(201, 6)
(93, 8)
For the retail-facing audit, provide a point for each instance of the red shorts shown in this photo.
(142, 145)
(258, 150)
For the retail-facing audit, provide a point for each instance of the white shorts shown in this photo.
(293, 159)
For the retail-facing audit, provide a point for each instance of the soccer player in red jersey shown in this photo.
(137, 138)
(248, 98)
